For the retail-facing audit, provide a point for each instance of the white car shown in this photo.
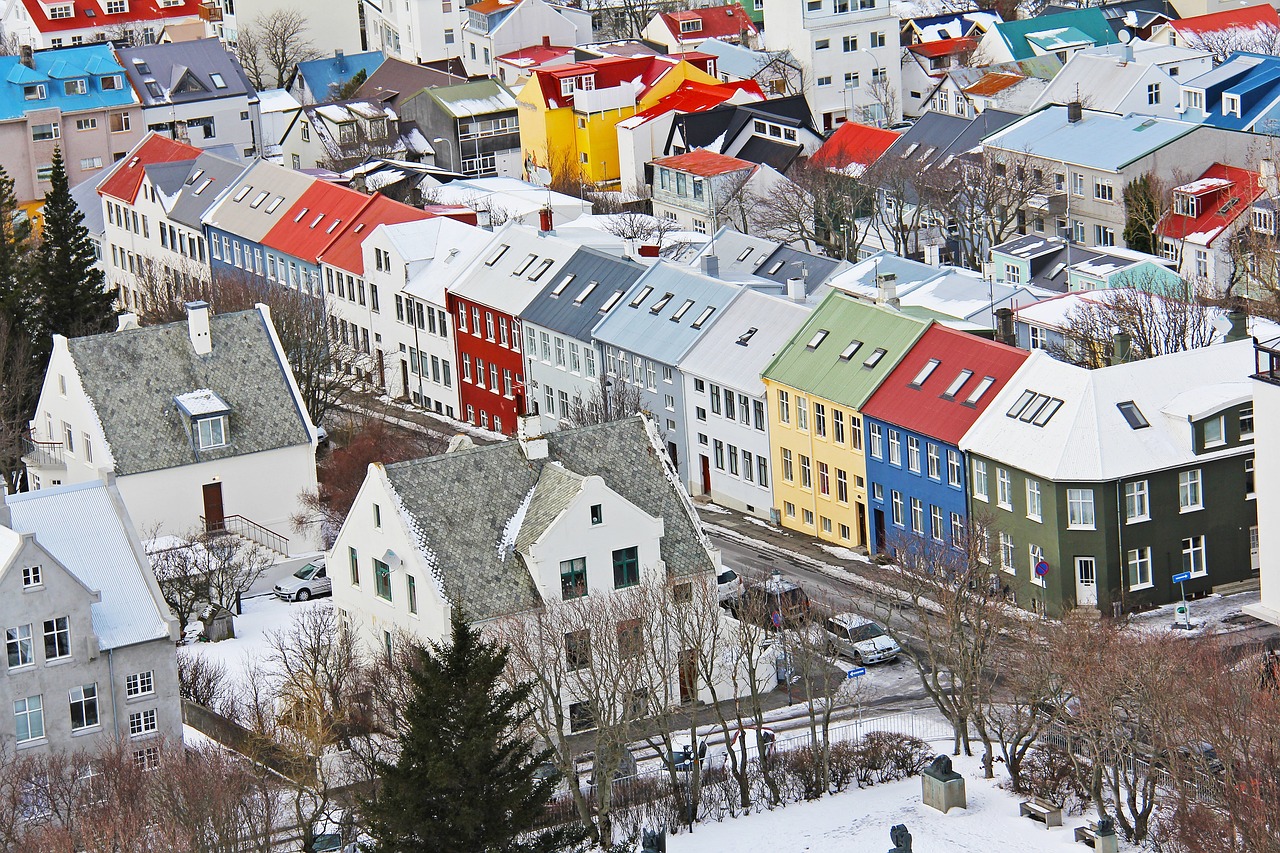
(861, 639)
(307, 582)
(730, 584)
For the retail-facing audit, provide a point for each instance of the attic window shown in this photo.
(1133, 415)
(211, 432)
(851, 350)
(204, 185)
(541, 270)
(525, 264)
(195, 176)
(641, 296)
(153, 89)
(954, 388)
(1021, 403)
(746, 336)
(976, 395)
(744, 255)
(1185, 204)
(928, 368)
(611, 301)
(564, 282)
(244, 191)
(681, 311)
(661, 303)
(874, 358)
(704, 317)
(497, 255)
(141, 66)
(275, 202)
(817, 339)
(301, 213)
(316, 221)
(692, 26)
(586, 291)
(1048, 411)
(1036, 409)
(218, 82)
(208, 415)
(259, 199)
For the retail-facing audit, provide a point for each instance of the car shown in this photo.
(730, 584)
(775, 603)
(860, 639)
(306, 583)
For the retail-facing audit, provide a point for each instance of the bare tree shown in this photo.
(212, 566)
(899, 210)
(1262, 38)
(610, 399)
(884, 107)
(640, 228)
(271, 47)
(818, 208)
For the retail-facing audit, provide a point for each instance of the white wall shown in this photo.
(738, 492)
(330, 24)
(1266, 458)
(542, 373)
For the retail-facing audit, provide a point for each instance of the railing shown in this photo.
(211, 12)
(1266, 361)
(43, 454)
(251, 530)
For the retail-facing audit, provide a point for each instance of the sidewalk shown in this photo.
(417, 419)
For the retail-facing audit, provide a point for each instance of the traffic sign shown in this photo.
(776, 619)
(1182, 577)
(1042, 569)
(857, 670)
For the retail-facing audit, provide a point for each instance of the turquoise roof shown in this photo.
(1062, 28)
(320, 74)
(54, 68)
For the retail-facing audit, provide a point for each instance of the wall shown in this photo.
(483, 400)
(1266, 407)
(704, 427)
(940, 493)
(542, 373)
(245, 134)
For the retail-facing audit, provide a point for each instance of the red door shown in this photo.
(213, 515)
(706, 475)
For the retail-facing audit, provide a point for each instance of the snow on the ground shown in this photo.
(251, 645)
(842, 553)
(1210, 614)
(859, 820)
(758, 522)
(716, 508)
(195, 738)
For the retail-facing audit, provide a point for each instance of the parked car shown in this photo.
(774, 603)
(307, 582)
(860, 639)
(730, 584)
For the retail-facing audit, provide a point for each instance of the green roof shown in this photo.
(1049, 30)
(822, 370)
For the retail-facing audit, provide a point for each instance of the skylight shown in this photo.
(744, 255)
(774, 269)
(562, 284)
(704, 317)
(316, 221)
(586, 291)
(1133, 415)
(275, 202)
(195, 176)
(611, 301)
(301, 213)
(204, 185)
(851, 350)
(681, 311)
(874, 358)
(976, 395)
(641, 296)
(661, 303)
(1033, 408)
(746, 336)
(525, 264)
(818, 337)
(218, 82)
(497, 255)
(244, 191)
(1050, 409)
(332, 225)
(541, 270)
(259, 199)
(924, 372)
(1020, 404)
(957, 383)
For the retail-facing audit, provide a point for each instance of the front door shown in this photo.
(862, 523)
(1086, 582)
(674, 454)
(213, 515)
(706, 475)
(688, 676)
(878, 515)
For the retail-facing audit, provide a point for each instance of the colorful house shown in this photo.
(817, 386)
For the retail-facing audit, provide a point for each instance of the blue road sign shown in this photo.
(1182, 577)
(857, 670)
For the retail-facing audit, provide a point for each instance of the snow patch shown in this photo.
(507, 544)
(841, 553)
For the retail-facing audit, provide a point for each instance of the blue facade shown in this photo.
(230, 254)
(929, 506)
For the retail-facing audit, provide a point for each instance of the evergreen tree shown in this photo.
(1143, 211)
(15, 233)
(464, 780)
(65, 283)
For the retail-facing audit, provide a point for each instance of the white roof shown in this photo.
(1053, 313)
(1088, 439)
(86, 529)
(515, 197)
(438, 251)
(276, 101)
(498, 284)
(202, 402)
(718, 357)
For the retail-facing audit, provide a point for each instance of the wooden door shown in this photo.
(404, 377)
(688, 676)
(706, 475)
(214, 519)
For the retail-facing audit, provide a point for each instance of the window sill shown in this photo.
(1203, 574)
(1081, 527)
(982, 498)
(59, 661)
(1141, 586)
(1036, 518)
(1137, 519)
(87, 730)
(1188, 509)
(1006, 507)
(33, 743)
(141, 697)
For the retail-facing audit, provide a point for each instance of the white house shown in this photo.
(686, 30)
(1266, 457)
(201, 423)
(492, 28)
(1137, 77)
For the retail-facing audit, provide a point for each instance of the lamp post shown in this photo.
(454, 159)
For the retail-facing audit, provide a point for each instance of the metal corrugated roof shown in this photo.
(563, 312)
(253, 223)
(762, 323)
(1098, 140)
(500, 275)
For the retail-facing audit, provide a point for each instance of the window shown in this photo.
(34, 92)
(924, 373)
(1035, 556)
(142, 723)
(57, 638)
(86, 124)
(119, 122)
(788, 472)
(957, 534)
(31, 576)
(917, 516)
(1215, 431)
(1246, 421)
(895, 499)
(626, 568)
(1139, 568)
(18, 646)
(1153, 93)
(1080, 509)
(582, 717)
(84, 706)
(873, 431)
(802, 413)
(1189, 497)
(577, 649)
(806, 472)
(29, 716)
(573, 578)
(212, 432)
(935, 523)
(784, 407)
(1250, 487)
(1193, 556)
(630, 638)
(149, 758)
(762, 472)
(1007, 554)
(355, 566)
(1136, 505)
(1104, 236)
(824, 477)
(1103, 190)
(139, 684)
(956, 384)
(381, 579)
(1033, 500)
(822, 44)
(913, 452)
(934, 461)
(953, 468)
(1004, 489)
(45, 132)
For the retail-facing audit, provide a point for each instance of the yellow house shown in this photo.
(569, 113)
(816, 386)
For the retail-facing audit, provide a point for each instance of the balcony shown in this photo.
(211, 12)
(42, 454)
(1266, 360)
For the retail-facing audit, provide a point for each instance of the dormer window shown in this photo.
(1231, 105)
(377, 128)
(208, 414)
(1192, 100)
(59, 12)
(1185, 204)
(74, 87)
(117, 7)
(110, 83)
(1215, 432)
(692, 26)
(587, 82)
(347, 132)
(35, 92)
(212, 432)
(567, 86)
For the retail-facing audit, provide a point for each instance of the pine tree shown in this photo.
(67, 286)
(15, 233)
(464, 780)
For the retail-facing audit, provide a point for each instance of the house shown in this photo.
(275, 109)
(685, 30)
(197, 92)
(206, 431)
(342, 134)
(580, 513)
(817, 384)
(492, 28)
(924, 66)
(1197, 230)
(1050, 264)
(1102, 485)
(1092, 156)
(476, 124)
(73, 573)
(1136, 77)
(776, 72)
(319, 81)
(729, 430)
(498, 200)
(415, 31)
(695, 190)
(774, 132)
(853, 148)
(395, 81)
(948, 25)
(241, 217)
(1240, 94)
(853, 56)
(515, 67)
(1266, 397)
(1010, 87)
(80, 22)
(81, 90)
(923, 409)
(1139, 17)
(1245, 28)
(1059, 35)
(562, 366)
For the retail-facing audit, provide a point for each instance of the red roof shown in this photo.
(1249, 17)
(608, 71)
(717, 22)
(854, 144)
(313, 221)
(488, 7)
(993, 82)
(944, 47)
(346, 250)
(528, 57)
(705, 163)
(1223, 194)
(139, 10)
(695, 97)
(453, 211)
(925, 409)
(127, 176)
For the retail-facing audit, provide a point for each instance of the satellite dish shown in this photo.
(1125, 36)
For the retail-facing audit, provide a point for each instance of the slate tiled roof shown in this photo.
(462, 527)
(556, 488)
(190, 63)
(133, 376)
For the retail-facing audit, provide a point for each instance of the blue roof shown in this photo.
(1087, 23)
(53, 69)
(1254, 78)
(1099, 140)
(318, 74)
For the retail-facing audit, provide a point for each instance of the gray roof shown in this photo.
(253, 223)
(167, 177)
(661, 337)
(133, 376)
(738, 61)
(189, 206)
(85, 195)
(1099, 140)
(737, 349)
(168, 64)
(395, 80)
(557, 487)
(817, 269)
(462, 529)
(564, 313)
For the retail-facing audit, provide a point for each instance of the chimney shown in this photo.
(546, 224)
(198, 327)
(1121, 343)
(1126, 53)
(710, 266)
(339, 59)
(1267, 178)
(1239, 329)
(887, 284)
(1075, 112)
(529, 433)
(1005, 332)
(546, 41)
(650, 251)
(127, 320)
(28, 56)
(795, 289)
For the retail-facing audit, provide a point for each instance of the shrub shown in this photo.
(1047, 773)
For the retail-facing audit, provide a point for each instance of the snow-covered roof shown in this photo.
(201, 402)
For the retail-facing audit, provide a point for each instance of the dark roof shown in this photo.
(462, 529)
(700, 130)
(817, 268)
(771, 152)
(219, 171)
(937, 136)
(576, 320)
(133, 376)
(182, 71)
(168, 177)
(395, 80)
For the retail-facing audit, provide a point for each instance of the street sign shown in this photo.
(776, 619)
(1042, 569)
(857, 670)
(1182, 577)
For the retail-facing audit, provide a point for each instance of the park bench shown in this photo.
(1088, 833)
(1038, 809)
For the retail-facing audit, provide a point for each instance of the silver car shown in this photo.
(860, 639)
(307, 582)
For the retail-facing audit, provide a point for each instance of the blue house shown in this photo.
(319, 80)
(1243, 93)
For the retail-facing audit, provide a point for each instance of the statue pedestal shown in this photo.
(1106, 844)
(943, 792)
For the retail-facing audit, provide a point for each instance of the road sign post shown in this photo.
(857, 671)
(1184, 614)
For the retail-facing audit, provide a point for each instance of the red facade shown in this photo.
(490, 365)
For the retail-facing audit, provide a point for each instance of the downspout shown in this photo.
(1120, 541)
(111, 673)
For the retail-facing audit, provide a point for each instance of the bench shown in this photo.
(1038, 809)
(1088, 834)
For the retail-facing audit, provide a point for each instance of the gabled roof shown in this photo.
(706, 163)
(944, 47)
(853, 148)
(346, 250)
(1223, 194)
(183, 72)
(87, 529)
(926, 407)
(437, 250)
(52, 69)
(1254, 79)
(464, 534)
(951, 25)
(314, 220)
(717, 22)
(207, 177)
(336, 70)
(558, 307)
(738, 60)
(88, 14)
(638, 73)
(824, 370)
(396, 80)
(531, 57)
(1245, 18)
(693, 97)
(744, 340)
(717, 127)
(939, 137)
(133, 376)
(477, 98)
(126, 176)
(1088, 23)
(1098, 140)
(503, 276)
(236, 212)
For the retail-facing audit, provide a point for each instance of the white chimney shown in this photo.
(795, 289)
(1267, 179)
(198, 327)
(127, 320)
(529, 433)
(888, 285)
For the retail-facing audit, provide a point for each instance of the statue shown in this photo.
(941, 766)
(901, 839)
(1106, 826)
(653, 841)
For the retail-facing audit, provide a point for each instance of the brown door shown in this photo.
(404, 377)
(706, 475)
(688, 676)
(213, 516)
(382, 371)
(862, 524)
